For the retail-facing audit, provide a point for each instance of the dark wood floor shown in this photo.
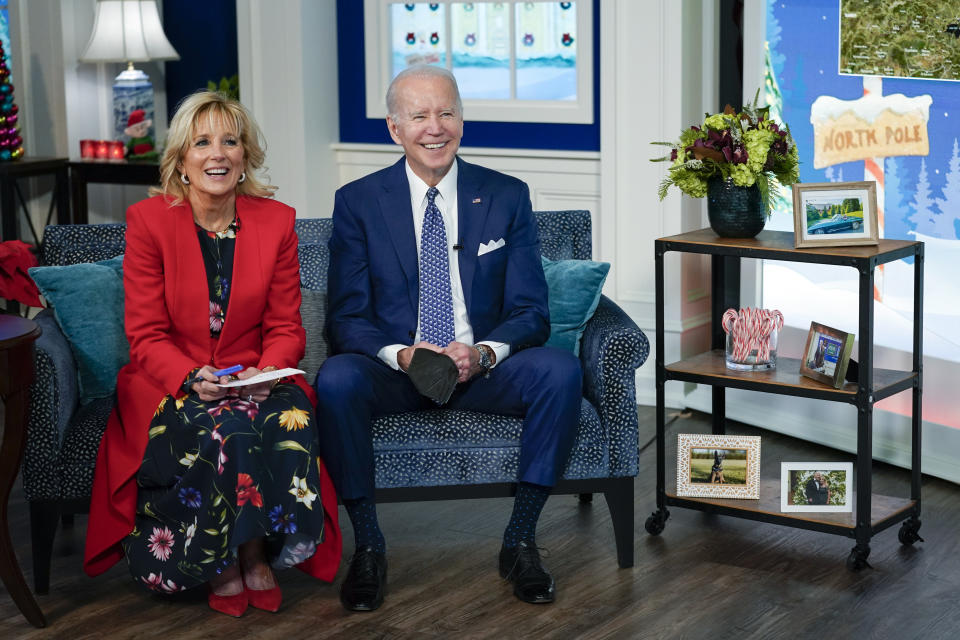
(704, 577)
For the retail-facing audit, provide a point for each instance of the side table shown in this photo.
(29, 167)
(83, 172)
(17, 336)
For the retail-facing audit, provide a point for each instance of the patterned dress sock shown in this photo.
(526, 511)
(366, 529)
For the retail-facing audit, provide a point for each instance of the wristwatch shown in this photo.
(486, 358)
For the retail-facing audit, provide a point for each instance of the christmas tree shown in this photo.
(10, 141)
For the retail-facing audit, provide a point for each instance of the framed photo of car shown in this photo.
(826, 355)
(835, 214)
(718, 466)
(816, 486)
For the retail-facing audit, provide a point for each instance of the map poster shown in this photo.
(900, 38)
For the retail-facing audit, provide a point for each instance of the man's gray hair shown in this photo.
(421, 71)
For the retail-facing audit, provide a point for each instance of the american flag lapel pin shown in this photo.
(476, 201)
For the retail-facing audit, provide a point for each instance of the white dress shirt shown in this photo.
(446, 202)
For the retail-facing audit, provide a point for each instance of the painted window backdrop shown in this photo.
(514, 61)
(497, 50)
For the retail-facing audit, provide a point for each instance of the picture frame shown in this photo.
(816, 486)
(835, 214)
(738, 457)
(826, 355)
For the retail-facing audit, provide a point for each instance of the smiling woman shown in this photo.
(206, 468)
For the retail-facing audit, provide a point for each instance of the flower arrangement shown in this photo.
(747, 147)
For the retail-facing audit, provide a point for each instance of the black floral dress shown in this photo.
(218, 474)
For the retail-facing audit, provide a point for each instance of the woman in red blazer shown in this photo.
(196, 483)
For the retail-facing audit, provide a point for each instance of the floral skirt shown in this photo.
(218, 474)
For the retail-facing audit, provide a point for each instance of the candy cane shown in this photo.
(729, 319)
(748, 320)
(772, 321)
(763, 339)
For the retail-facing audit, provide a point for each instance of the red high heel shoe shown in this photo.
(264, 599)
(233, 605)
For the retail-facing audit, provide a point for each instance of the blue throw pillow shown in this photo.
(87, 301)
(574, 289)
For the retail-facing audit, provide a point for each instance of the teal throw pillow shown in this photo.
(87, 301)
(574, 289)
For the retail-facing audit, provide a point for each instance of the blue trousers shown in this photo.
(541, 384)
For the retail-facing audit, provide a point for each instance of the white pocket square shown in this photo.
(493, 245)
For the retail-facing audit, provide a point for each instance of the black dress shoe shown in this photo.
(521, 566)
(366, 582)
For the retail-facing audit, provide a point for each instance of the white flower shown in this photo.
(188, 534)
(188, 459)
(303, 492)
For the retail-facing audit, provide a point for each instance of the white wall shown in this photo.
(288, 79)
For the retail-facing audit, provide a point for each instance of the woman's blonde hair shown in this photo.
(183, 126)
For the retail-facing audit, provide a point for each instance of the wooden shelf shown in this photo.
(778, 245)
(710, 368)
(870, 384)
(883, 509)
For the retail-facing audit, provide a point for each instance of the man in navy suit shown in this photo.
(440, 254)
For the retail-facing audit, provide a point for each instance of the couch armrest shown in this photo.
(53, 401)
(611, 350)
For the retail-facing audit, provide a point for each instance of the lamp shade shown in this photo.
(128, 31)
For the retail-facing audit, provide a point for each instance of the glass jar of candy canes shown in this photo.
(752, 336)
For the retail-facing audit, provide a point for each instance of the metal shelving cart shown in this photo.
(871, 385)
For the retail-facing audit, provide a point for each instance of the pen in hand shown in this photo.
(222, 372)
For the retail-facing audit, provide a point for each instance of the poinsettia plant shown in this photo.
(15, 282)
(748, 147)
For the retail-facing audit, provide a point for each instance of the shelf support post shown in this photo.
(864, 471)
(725, 287)
(917, 417)
(661, 379)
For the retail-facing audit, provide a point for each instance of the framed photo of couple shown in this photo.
(713, 466)
(835, 214)
(816, 486)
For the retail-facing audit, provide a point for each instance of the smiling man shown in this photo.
(437, 254)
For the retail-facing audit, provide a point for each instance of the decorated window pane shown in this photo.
(418, 34)
(546, 50)
(480, 46)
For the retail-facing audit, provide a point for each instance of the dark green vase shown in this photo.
(734, 212)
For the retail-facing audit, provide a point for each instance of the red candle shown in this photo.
(102, 149)
(116, 150)
(87, 149)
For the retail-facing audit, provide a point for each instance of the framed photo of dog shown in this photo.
(712, 466)
(835, 214)
(816, 486)
(826, 354)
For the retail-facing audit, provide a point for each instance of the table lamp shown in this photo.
(129, 31)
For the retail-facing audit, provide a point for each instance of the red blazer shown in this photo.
(166, 321)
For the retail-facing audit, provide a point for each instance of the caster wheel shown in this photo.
(586, 498)
(857, 559)
(654, 525)
(908, 533)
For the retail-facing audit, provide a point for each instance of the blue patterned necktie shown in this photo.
(436, 300)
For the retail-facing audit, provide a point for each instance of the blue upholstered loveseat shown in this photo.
(439, 454)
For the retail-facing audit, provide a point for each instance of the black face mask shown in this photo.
(433, 374)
